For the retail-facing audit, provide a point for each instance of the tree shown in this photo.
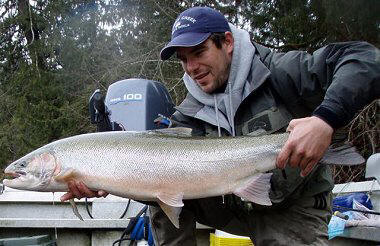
(304, 24)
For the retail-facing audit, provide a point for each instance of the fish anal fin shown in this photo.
(171, 204)
(171, 212)
(256, 189)
(343, 155)
(65, 175)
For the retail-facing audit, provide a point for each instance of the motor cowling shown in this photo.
(130, 104)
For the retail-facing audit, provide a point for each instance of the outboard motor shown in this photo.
(130, 104)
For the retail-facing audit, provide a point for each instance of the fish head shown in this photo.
(31, 172)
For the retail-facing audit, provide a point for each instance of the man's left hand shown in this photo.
(79, 190)
(308, 140)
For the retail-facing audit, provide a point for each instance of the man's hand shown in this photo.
(308, 140)
(79, 190)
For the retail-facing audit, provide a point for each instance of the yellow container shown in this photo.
(226, 241)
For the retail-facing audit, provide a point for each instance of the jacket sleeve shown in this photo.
(334, 82)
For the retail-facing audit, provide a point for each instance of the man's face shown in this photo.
(207, 65)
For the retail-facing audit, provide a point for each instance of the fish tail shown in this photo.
(345, 154)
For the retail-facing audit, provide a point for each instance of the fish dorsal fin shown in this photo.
(257, 133)
(342, 155)
(175, 131)
(172, 205)
(256, 190)
(65, 175)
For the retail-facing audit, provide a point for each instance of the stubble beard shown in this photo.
(223, 78)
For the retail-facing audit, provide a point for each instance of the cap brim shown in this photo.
(188, 39)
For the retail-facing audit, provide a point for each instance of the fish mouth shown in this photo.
(14, 175)
(11, 179)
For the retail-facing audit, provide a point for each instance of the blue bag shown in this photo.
(346, 201)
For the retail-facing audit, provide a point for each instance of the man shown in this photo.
(236, 87)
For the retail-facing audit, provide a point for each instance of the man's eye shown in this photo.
(199, 53)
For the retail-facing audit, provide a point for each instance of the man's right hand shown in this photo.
(79, 190)
(308, 140)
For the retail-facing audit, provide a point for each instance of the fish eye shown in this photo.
(23, 164)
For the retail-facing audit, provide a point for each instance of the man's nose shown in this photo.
(192, 65)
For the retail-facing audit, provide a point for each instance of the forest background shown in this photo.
(54, 54)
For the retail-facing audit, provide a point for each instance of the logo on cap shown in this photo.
(178, 25)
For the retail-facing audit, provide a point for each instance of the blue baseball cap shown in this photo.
(192, 27)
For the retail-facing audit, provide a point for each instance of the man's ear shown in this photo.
(229, 41)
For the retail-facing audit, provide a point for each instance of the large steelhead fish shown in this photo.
(154, 166)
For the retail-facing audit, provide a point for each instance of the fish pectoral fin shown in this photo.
(172, 212)
(257, 189)
(345, 154)
(65, 175)
(75, 209)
